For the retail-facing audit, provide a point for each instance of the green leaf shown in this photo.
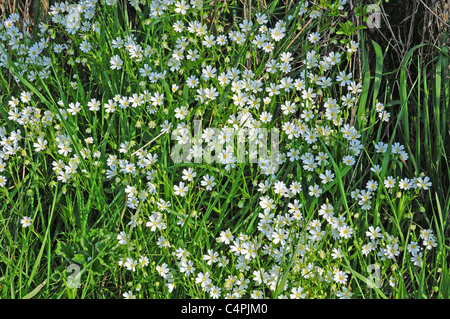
(64, 250)
(35, 291)
(97, 267)
(79, 258)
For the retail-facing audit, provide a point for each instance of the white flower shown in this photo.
(345, 231)
(278, 32)
(297, 293)
(162, 270)
(389, 182)
(225, 237)
(181, 112)
(211, 257)
(208, 182)
(116, 62)
(129, 295)
(314, 37)
(340, 277)
(352, 46)
(25, 97)
(85, 46)
(180, 189)
(122, 237)
(267, 203)
(131, 264)
(413, 248)
(26, 221)
(74, 108)
(314, 190)
(348, 160)
(189, 174)
(374, 233)
(94, 105)
(181, 7)
(344, 294)
(423, 183)
(41, 144)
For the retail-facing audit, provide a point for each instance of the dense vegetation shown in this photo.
(224, 149)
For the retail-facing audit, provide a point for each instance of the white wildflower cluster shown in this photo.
(279, 225)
